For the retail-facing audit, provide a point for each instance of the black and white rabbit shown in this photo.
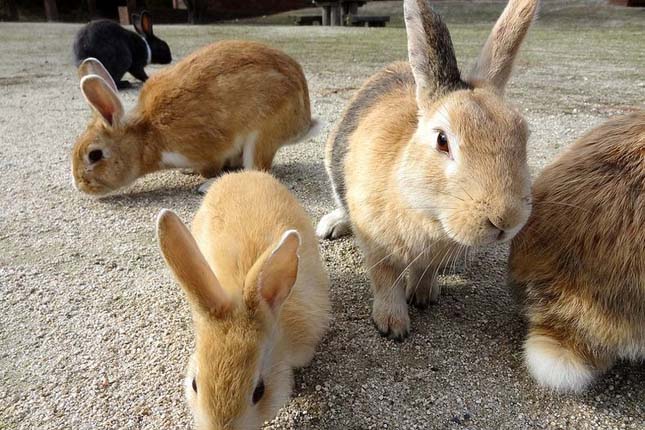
(122, 50)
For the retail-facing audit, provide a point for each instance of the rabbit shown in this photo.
(229, 104)
(424, 164)
(578, 266)
(121, 50)
(258, 293)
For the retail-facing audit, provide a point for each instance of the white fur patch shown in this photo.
(174, 159)
(248, 151)
(149, 51)
(428, 131)
(333, 225)
(556, 367)
(74, 182)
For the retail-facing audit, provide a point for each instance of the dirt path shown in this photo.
(94, 334)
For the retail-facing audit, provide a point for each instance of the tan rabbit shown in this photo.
(424, 164)
(259, 296)
(229, 104)
(579, 263)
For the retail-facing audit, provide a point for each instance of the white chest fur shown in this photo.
(174, 160)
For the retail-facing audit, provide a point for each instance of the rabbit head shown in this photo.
(159, 50)
(237, 376)
(106, 156)
(465, 164)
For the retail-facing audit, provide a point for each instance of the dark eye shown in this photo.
(442, 143)
(258, 392)
(194, 385)
(95, 155)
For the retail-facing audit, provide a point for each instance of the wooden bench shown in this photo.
(309, 20)
(369, 21)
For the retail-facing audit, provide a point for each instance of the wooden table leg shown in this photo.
(326, 15)
(336, 12)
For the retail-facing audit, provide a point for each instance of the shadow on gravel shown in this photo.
(147, 197)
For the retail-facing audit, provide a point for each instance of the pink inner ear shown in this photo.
(108, 117)
(106, 110)
(145, 23)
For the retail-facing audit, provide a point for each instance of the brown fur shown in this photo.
(202, 108)
(255, 329)
(579, 263)
(412, 207)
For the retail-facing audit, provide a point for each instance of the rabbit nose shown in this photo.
(507, 223)
(496, 225)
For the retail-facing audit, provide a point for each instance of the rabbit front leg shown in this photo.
(259, 152)
(390, 309)
(422, 286)
(139, 73)
(211, 172)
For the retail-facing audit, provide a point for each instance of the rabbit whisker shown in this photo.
(408, 266)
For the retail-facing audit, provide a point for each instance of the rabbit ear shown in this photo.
(279, 271)
(430, 50)
(135, 18)
(189, 266)
(146, 23)
(92, 66)
(102, 98)
(495, 61)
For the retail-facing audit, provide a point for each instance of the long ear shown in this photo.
(495, 61)
(187, 263)
(430, 51)
(102, 98)
(279, 272)
(146, 23)
(92, 66)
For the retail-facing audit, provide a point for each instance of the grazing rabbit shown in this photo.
(424, 164)
(229, 104)
(121, 50)
(259, 297)
(579, 263)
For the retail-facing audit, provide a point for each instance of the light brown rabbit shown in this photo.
(229, 104)
(424, 164)
(259, 296)
(579, 263)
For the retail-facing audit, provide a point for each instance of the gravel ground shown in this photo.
(94, 333)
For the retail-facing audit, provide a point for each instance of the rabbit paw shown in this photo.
(333, 225)
(391, 319)
(188, 172)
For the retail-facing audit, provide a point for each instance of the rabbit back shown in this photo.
(107, 41)
(583, 243)
(248, 93)
(242, 216)
(578, 266)
(396, 76)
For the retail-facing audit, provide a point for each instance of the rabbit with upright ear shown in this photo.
(578, 265)
(424, 164)
(121, 50)
(229, 104)
(259, 296)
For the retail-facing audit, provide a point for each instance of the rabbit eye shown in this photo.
(194, 385)
(258, 392)
(95, 155)
(442, 142)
